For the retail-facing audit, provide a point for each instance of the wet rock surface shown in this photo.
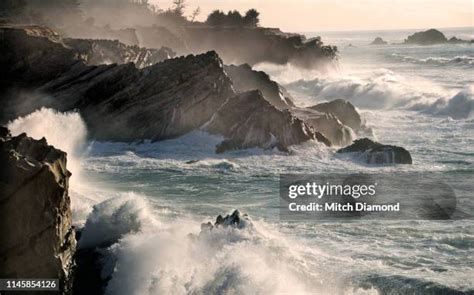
(244, 78)
(36, 232)
(248, 120)
(372, 152)
(235, 220)
(342, 110)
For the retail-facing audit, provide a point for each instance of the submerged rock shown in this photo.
(378, 41)
(376, 153)
(245, 79)
(247, 120)
(36, 233)
(428, 37)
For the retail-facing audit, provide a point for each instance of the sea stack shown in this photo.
(378, 41)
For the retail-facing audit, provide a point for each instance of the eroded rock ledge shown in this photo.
(36, 233)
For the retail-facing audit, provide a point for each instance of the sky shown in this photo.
(345, 15)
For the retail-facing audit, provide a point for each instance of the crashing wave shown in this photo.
(457, 60)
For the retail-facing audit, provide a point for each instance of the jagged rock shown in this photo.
(327, 124)
(118, 102)
(248, 120)
(378, 41)
(376, 153)
(166, 100)
(342, 110)
(36, 232)
(235, 220)
(245, 79)
(254, 45)
(428, 37)
(94, 52)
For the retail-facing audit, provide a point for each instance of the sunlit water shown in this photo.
(418, 97)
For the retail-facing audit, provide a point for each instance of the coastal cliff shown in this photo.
(37, 237)
(254, 45)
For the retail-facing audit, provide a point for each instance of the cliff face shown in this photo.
(36, 233)
(254, 45)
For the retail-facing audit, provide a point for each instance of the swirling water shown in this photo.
(158, 194)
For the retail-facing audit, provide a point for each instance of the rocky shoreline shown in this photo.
(129, 94)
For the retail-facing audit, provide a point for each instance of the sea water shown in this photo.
(156, 195)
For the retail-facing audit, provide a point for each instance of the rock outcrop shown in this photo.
(238, 45)
(428, 37)
(245, 79)
(36, 233)
(166, 100)
(327, 124)
(94, 52)
(378, 41)
(343, 110)
(248, 120)
(376, 153)
(234, 220)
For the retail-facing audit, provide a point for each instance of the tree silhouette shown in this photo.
(179, 6)
(233, 18)
(195, 13)
(251, 17)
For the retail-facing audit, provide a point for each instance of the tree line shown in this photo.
(233, 18)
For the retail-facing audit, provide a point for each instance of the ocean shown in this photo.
(156, 195)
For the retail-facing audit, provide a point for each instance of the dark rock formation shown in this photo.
(163, 101)
(166, 100)
(376, 153)
(343, 110)
(245, 79)
(94, 52)
(240, 45)
(235, 220)
(36, 233)
(429, 37)
(327, 124)
(378, 41)
(248, 120)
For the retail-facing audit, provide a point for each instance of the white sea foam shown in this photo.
(65, 131)
(457, 60)
(155, 256)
